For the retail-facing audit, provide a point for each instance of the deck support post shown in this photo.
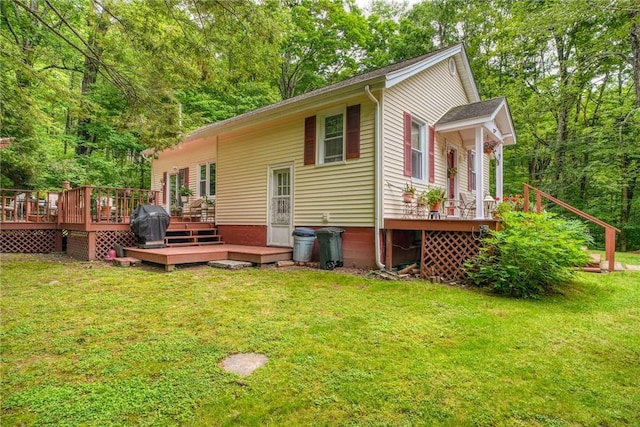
(610, 247)
(91, 245)
(388, 248)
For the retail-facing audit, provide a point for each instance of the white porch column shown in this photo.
(499, 171)
(479, 166)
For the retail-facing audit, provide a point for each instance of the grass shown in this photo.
(85, 343)
(626, 258)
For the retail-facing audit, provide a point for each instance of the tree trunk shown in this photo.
(635, 53)
(89, 79)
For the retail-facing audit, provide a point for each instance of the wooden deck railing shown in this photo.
(85, 205)
(90, 205)
(609, 230)
(18, 205)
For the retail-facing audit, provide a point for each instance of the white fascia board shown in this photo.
(474, 96)
(398, 76)
(462, 124)
(492, 128)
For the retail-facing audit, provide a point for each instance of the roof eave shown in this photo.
(268, 112)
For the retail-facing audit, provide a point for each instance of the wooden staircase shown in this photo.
(609, 230)
(595, 264)
(192, 234)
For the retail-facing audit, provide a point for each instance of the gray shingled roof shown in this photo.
(469, 111)
(371, 75)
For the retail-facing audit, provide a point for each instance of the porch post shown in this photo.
(499, 172)
(479, 166)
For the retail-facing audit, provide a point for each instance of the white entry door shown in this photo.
(280, 207)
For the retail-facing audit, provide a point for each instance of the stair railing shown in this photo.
(609, 230)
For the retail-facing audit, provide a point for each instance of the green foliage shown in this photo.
(530, 255)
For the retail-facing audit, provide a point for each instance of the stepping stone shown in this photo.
(230, 264)
(126, 261)
(244, 364)
(617, 266)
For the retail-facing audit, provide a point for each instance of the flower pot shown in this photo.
(435, 207)
(407, 197)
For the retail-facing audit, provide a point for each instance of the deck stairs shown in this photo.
(595, 264)
(192, 234)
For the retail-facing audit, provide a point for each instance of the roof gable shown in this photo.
(386, 77)
(493, 114)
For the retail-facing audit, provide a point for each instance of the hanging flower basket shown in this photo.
(489, 147)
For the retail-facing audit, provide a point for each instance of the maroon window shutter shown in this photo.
(164, 187)
(469, 170)
(432, 154)
(185, 175)
(353, 132)
(407, 144)
(310, 140)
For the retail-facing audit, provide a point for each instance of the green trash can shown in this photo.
(330, 245)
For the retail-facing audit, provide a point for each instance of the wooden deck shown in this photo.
(169, 257)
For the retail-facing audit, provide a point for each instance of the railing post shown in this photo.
(538, 202)
(610, 247)
(86, 212)
(526, 198)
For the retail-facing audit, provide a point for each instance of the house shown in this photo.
(340, 156)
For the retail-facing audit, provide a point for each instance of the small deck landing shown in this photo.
(169, 257)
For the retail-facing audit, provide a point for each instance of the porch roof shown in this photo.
(493, 115)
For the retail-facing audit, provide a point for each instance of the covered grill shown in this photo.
(149, 223)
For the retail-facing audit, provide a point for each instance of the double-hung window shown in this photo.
(332, 138)
(418, 148)
(207, 179)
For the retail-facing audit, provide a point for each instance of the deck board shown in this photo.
(169, 257)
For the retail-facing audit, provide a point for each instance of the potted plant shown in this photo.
(422, 198)
(408, 193)
(185, 193)
(207, 200)
(434, 197)
(489, 146)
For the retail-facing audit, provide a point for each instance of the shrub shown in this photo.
(530, 255)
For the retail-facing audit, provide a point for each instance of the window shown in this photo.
(332, 138)
(417, 151)
(472, 170)
(207, 179)
(415, 148)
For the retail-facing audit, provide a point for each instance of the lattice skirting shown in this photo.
(79, 243)
(28, 241)
(106, 240)
(444, 253)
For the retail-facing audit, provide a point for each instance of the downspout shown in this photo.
(378, 175)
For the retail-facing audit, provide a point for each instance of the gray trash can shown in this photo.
(330, 241)
(303, 239)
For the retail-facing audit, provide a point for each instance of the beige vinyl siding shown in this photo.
(427, 96)
(190, 156)
(345, 191)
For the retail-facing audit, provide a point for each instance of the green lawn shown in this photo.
(90, 344)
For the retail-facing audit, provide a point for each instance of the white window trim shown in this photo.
(320, 132)
(207, 178)
(474, 173)
(423, 124)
